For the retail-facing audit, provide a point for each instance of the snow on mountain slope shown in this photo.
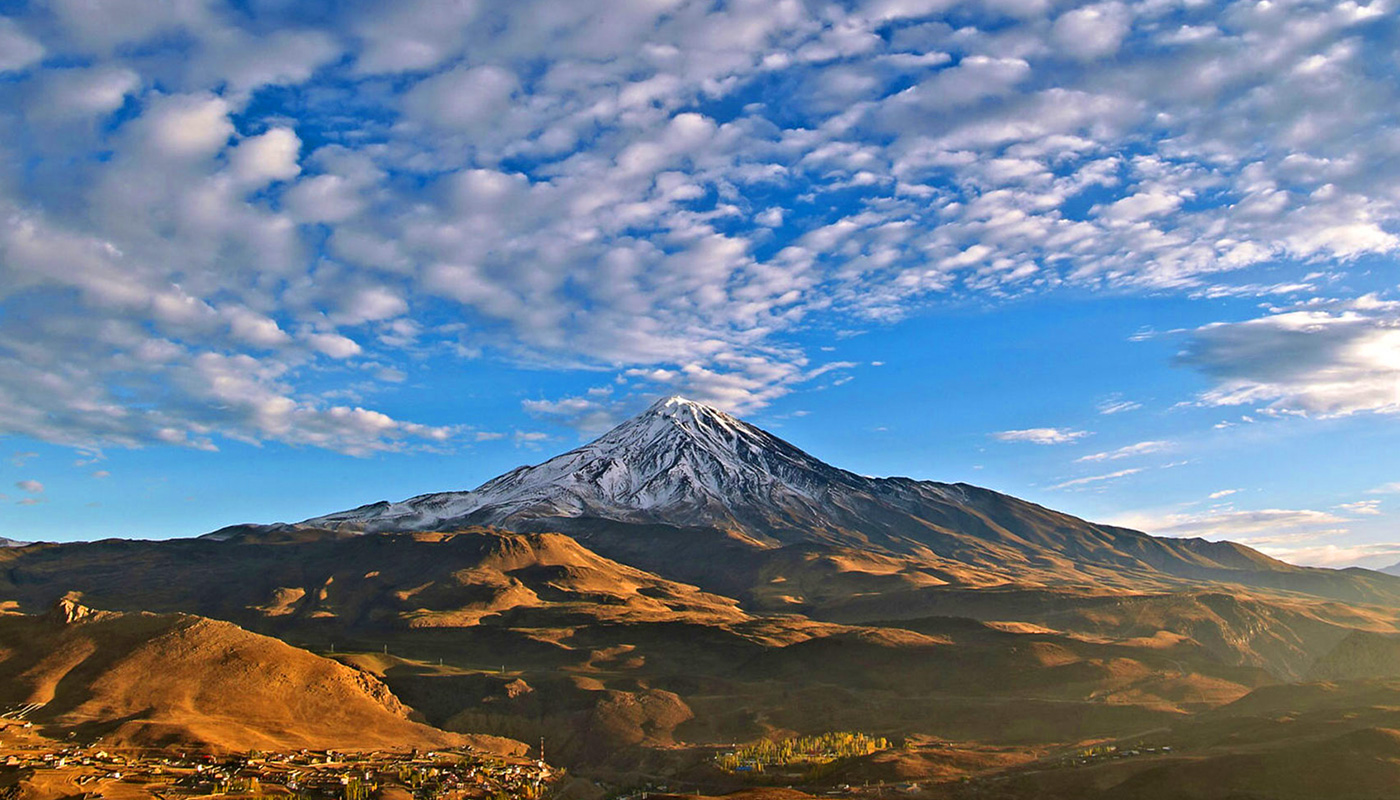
(679, 463)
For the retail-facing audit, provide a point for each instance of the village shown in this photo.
(450, 774)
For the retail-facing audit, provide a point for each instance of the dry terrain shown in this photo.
(650, 608)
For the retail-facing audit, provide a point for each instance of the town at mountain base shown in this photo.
(691, 602)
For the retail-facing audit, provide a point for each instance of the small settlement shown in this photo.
(440, 775)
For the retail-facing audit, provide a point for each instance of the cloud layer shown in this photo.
(214, 219)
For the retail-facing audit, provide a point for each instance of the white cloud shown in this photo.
(1334, 556)
(1298, 536)
(1223, 493)
(1141, 206)
(186, 126)
(1117, 405)
(17, 50)
(1092, 479)
(1255, 527)
(1091, 32)
(334, 345)
(1320, 362)
(254, 329)
(975, 78)
(30, 486)
(80, 93)
(324, 198)
(271, 156)
(247, 62)
(1362, 508)
(371, 304)
(1127, 451)
(463, 98)
(587, 414)
(529, 439)
(1043, 436)
(413, 35)
(104, 26)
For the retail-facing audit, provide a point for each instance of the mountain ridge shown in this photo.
(692, 493)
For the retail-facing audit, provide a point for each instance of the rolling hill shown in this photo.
(177, 679)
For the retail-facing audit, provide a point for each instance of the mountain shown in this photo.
(695, 494)
(678, 463)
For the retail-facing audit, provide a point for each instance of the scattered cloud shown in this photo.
(17, 50)
(1223, 493)
(587, 414)
(1093, 479)
(1042, 436)
(1117, 405)
(1128, 451)
(1298, 536)
(1369, 508)
(30, 486)
(529, 439)
(1375, 555)
(1317, 362)
(1092, 32)
(1256, 527)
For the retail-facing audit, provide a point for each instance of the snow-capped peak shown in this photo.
(676, 401)
(686, 412)
(680, 461)
(675, 404)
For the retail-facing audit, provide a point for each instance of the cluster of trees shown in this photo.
(356, 789)
(413, 777)
(801, 750)
(244, 786)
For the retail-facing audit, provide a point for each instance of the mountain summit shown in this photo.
(679, 463)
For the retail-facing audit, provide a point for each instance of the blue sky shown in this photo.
(1137, 261)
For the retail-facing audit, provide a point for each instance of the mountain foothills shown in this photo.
(653, 605)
